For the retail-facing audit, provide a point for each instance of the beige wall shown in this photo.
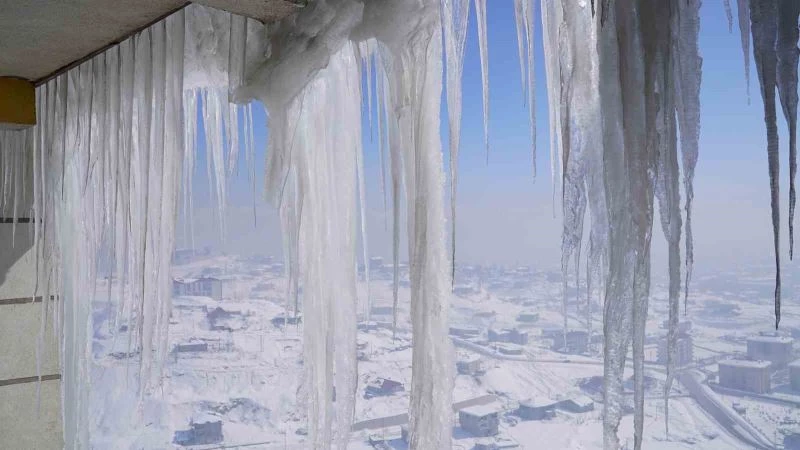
(30, 411)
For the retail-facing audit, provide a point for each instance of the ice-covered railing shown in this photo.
(116, 139)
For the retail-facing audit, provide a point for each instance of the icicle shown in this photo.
(454, 20)
(688, 76)
(362, 206)
(480, 14)
(519, 21)
(551, 13)
(763, 15)
(528, 13)
(787, 54)
(729, 14)
(414, 77)
(743, 7)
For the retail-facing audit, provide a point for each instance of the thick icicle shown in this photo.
(483, 44)
(787, 54)
(320, 163)
(455, 15)
(414, 75)
(764, 18)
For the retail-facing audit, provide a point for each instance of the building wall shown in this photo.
(794, 377)
(22, 424)
(744, 378)
(779, 353)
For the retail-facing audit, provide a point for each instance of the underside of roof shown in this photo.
(38, 39)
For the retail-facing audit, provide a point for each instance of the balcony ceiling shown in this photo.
(38, 38)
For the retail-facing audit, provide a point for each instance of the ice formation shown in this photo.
(483, 49)
(775, 37)
(116, 140)
(455, 16)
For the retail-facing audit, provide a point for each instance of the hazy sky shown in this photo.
(507, 218)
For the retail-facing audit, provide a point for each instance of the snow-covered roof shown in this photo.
(482, 410)
(537, 402)
(770, 339)
(581, 400)
(745, 363)
(795, 364)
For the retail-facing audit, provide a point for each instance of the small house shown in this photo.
(508, 335)
(201, 287)
(201, 432)
(577, 404)
(469, 366)
(482, 420)
(383, 387)
(536, 409)
(528, 317)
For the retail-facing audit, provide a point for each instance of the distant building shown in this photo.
(577, 342)
(536, 409)
(751, 376)
(201, 432)
(186, 255)
(483, 420)
(202, 287)
(495, 443)
(509, 335)
(292, 319)
(383, 387)
(509, 349)
(684, 350)
(577, 404)
(382, 310)
(464, 290)
(190, 347)
(528, 317)
(791, 440)
(684, 326)
(464, 332)
(470, 366)
(222, 320)
(775, 349)
(794, 375)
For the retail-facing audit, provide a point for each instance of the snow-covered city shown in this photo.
(234, 377)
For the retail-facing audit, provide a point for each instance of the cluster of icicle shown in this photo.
(116, 139)
(623, 79)
(314, 175)
(105, 166)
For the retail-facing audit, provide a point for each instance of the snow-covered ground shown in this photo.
(245, 369)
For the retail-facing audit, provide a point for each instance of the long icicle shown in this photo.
(787, 54)
(763, 15)
(688, 76)
(454, 20)
(483, 44)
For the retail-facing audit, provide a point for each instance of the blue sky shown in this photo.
(507, 218)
